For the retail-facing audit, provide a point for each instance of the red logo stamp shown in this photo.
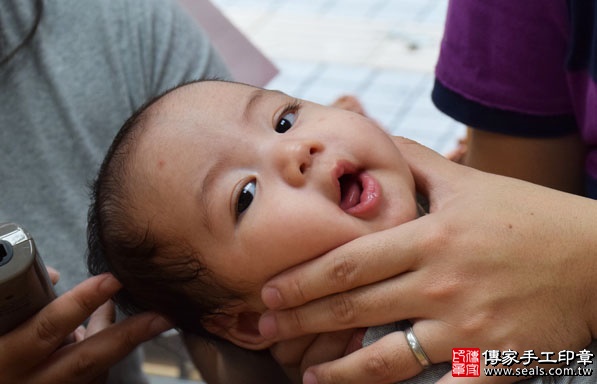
(466, 362)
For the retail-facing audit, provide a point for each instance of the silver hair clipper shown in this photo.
(25, 286)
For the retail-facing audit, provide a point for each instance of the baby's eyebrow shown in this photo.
(206, 192)
(255, 97)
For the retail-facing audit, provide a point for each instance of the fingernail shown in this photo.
(159, 325)
(268, 327)
(271, 298)
(309, 378)
(109, 283)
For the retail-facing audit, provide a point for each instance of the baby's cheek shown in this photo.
(286, 246)
(330, 237)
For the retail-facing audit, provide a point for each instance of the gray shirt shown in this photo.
(67, 92)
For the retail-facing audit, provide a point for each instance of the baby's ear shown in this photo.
(240, 328)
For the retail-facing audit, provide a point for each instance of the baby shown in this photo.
(213, 188)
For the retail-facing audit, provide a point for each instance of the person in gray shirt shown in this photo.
(71, 71)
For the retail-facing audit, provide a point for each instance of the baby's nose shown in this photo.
(294, 158)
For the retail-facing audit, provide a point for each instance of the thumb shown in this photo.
(434, 174)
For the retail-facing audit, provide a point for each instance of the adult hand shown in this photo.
(498, 264)
(296, 355)
(36, 352)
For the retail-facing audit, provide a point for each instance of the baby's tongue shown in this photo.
(351, 192)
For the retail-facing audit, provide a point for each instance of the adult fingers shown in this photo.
(330, 346)
(298, 354)
(295, 355)
(41, 335)
(390, 359)
(86, 361)
(384, 302)
(362, 261)
(386, 361)
(102, 318)
(289, 353)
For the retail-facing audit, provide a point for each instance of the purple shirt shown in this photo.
(524, 68)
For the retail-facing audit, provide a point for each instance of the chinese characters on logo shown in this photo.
(466, 362)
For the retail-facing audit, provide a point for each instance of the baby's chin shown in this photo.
(395, 217)
(390, 219)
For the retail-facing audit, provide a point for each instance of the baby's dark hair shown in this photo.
(163, 275)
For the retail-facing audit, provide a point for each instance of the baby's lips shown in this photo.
(342, 168)
(370, 200)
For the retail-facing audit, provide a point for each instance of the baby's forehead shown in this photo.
(204, 94)
(182, 112)
(208, 105)
(207, 88)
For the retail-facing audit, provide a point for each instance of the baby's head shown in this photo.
(215, 187)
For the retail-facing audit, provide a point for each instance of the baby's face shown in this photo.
(258, 182)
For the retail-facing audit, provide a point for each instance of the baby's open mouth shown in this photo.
(351, 189)
(360, 192)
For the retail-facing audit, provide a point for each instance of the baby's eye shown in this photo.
(286, 122)
(245, 198)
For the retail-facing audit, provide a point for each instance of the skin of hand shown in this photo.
(36, 352)
(296, 355)
(555, 162)
(498, 263)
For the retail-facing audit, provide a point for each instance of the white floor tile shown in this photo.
(383, 51)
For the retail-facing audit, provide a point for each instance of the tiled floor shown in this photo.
(383, 51)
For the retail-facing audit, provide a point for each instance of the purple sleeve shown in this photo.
(502, 66)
